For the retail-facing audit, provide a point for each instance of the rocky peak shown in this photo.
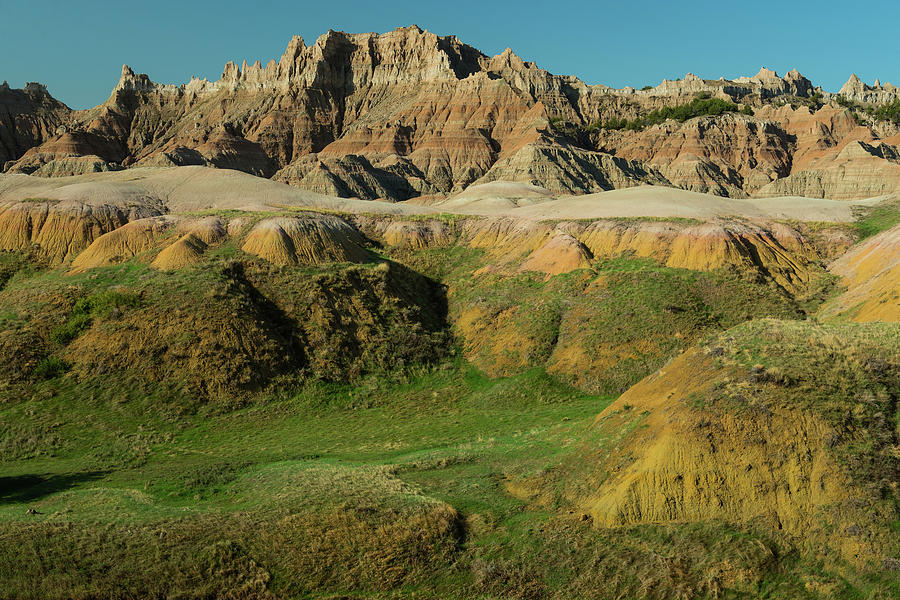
(766, 76)
(339, 60)
(508, 60)
(130, 81)
(853, 85)
(858, 91)
(33, 88)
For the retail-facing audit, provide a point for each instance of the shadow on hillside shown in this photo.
(26, 488)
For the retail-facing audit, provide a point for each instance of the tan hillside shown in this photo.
(310, 239)
(30, 117)
(562, 253)
(713, 437)
(871, 273)
(187, 251)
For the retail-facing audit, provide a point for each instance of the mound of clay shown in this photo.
(496, 197)
(402, 233)
(774, 249)
(309, 240)
(60, 229)
(121, 244)
(74, 165)
(871, 272)
(657, 201)
(716, 438)
(187, 251)
(209, 230)
(184, 189)
(561, 254)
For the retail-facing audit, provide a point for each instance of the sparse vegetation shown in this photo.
(847, 374)
(889, 112)
(872, 220)
(700, 106)
(99, 305)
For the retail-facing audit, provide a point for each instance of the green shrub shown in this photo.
(700, 106)
(841, 101)
(71, 329)
(86, 309)
(50, 367)
(889, 112)
(615, 124)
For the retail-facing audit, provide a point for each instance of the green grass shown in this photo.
(114, 463)
(338, 489)
(875, 219)
(382, 464)
(18, 265)
(623, 319)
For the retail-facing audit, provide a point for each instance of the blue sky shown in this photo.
(77, 48)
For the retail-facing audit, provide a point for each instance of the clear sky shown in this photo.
(77, 47)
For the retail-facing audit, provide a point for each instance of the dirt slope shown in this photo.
(745, 428)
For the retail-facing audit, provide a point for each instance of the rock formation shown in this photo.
(408, 113)
(28, 117)
(857, 91)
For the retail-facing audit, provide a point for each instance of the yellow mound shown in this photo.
(417, 235)
(60, 228)
(733, 468)
(187, 251)
(208, 230)
(121, 244)
(504, 235)
(774, 248)
(310, 240)
(400, 233)
(561, 254)
(709, 437)
(871, 272)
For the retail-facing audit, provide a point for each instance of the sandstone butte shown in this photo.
(408, 113)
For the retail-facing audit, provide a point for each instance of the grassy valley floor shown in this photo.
(408, 484)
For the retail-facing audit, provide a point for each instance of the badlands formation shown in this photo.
(408, 114)
(388, 317)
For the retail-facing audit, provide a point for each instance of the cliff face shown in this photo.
(410, 113)
(28, 117)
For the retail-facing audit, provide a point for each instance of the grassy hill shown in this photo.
(424, 423)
